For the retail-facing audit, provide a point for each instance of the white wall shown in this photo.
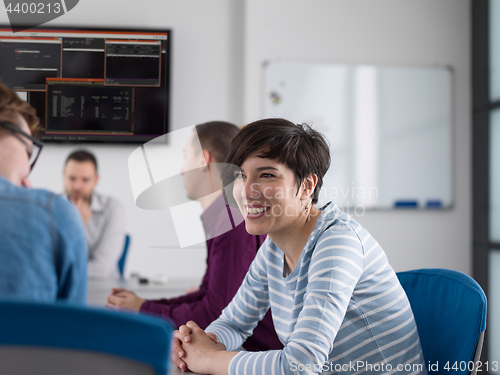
(409, 32)
(207, 54)
(218, 50)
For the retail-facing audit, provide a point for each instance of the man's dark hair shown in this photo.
(299, 147)
(82, 156)
(215, 137)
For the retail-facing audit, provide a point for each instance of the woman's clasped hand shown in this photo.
(192, 346)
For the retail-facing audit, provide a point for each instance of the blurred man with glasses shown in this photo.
(43, 255)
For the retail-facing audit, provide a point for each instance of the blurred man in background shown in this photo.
(103, 216)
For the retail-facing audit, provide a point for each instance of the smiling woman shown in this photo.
(300, 148)
(336, 303)
(280, 175)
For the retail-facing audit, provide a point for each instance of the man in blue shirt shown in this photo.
(43, 254)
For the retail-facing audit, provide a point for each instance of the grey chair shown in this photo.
(61, 339)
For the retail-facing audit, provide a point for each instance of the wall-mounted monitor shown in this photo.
(91, 84)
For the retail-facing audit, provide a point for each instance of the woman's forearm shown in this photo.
(218, 364)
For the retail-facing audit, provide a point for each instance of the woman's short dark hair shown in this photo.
(299, 147)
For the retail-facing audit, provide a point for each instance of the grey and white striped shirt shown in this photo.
(341, 310)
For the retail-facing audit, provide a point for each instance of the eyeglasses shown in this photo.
(33, 149)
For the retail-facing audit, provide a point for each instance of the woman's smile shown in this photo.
(255, 211)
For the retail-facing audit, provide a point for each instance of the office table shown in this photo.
(98, 290)
(176, 371)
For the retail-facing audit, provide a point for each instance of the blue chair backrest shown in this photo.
(142, 338)
(123, 258)
(450, 312)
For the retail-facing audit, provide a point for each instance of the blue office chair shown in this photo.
(60, 338)
(450, 312)
(123, 258)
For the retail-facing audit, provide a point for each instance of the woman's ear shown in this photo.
(309, 185)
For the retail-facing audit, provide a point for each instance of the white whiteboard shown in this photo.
(389, 128)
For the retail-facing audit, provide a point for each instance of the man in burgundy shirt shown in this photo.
(230, 249)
